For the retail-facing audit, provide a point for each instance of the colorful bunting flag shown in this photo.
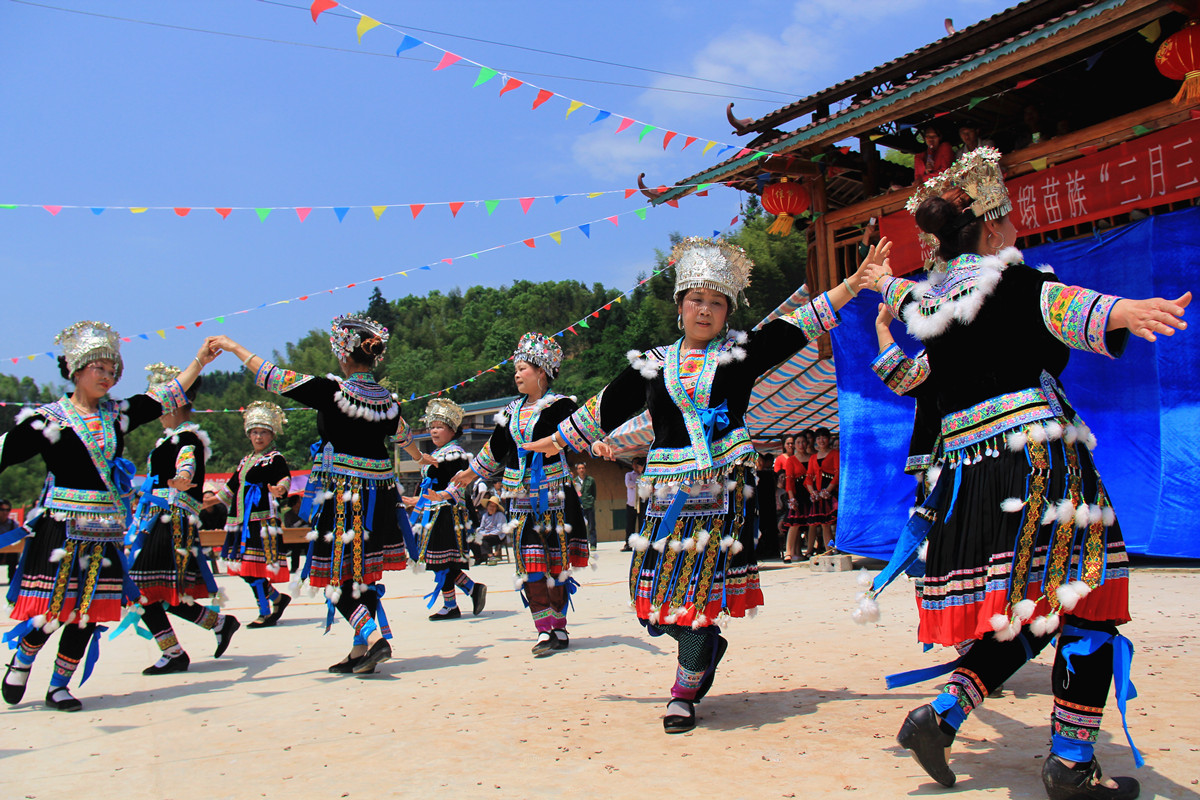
(448, 58)
(365, 24)
(485, 75)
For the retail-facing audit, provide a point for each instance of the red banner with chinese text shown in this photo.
(1155, 169)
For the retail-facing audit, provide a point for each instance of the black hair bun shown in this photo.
(63, 369)
(194, 389)
(935, 214)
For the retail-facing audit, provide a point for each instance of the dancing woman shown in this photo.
(72, 572)
(441, 522)
(694, 560)
(351, 499)
(1024, 543)
(254, 528)
(543, 511)
(169, 568)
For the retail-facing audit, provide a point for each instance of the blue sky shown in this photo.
(100, 112)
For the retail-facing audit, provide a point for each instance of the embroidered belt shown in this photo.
(373, 470)
(111, 529)
(993, 417)
(181, 500)
(83, 502)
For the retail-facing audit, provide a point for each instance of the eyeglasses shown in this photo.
(102, 371)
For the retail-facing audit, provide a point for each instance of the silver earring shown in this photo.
(679, 321)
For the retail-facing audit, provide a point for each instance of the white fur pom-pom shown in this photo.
(644, 490)
(57, 554)
(1109, 516)
(1009, 633)
(188, 600)
(749, 492)
(702, 540)
(348, 537)
(867, 610)
(1065, 511)
(327, 495)
(1037, 626)
(741, 337)
(51, 626)
(660, 545)
(661, 491)
(594, 562)
(675, 545)
(1052, 621)
(312, 535)
(923, 551)
(329, 536)
(143, 600)
(313, 590)
(1054, 430)
(1049, 514)
(272, 568)
(726, 542)
(1024, 609)
(346, 495)
(1036, 432)
(739, 353)
(724, 357)
(736, 547)
(518, 582)
(933, 474)
(1012, 505)
(40, 620)
(1095, 514)
(164, 517)
(1067, 596)
(220, 598)
(1017, 440)
(84, 619)
(689, 544)
(669, 619)
(864, 577)
(1081, 588)
(1070, 434)
(1082, 514)
(998, 622)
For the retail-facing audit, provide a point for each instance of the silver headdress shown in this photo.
(85, 342)
(348, 331)
(442, 410)
(161, 374)
(263, 414)
(539, 350)
(976, 172)
(704, 263)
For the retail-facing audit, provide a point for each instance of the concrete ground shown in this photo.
(799, 708)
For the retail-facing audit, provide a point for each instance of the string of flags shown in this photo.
(303, 212)
(585, 229)
(508, 84)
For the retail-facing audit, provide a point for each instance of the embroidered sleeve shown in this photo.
(185, 462)
(900, 373)
(1078, 318)
(814, 318)
(895, 293)
(296, 385)
(170, 396)
(403, 436)
(31, 436)
(229, 491)
(621, 400)
(485, 464)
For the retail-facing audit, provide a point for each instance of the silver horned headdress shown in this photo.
(264, 414)
(539, 350)
(348, 331)
(704, 263)
(87, 341)
(442, 410)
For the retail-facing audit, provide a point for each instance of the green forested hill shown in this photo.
(441, 338)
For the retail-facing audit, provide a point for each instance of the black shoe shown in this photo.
(722, 644)
(178, 663)
(559, 640)
(923, 735)
(14, 692)
(680, 723)
(1082, 781)
(62, 700)
(346, 665)
(544, 645)
(261, 622)
(453, 613)
(380, 652)
(478, 599)
(283, 602)
(225, 635)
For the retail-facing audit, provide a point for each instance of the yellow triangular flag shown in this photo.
(365, 24)
(161, 334)
(575, 106)
(708, 147)
(619, 299)
(594, 194)
(1038, 164)
(557, 236)
(32, 357)
(137, 210)
(1152, 31)
(378, 211)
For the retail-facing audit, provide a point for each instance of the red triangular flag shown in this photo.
(448, 58)
(596, 313)
(1089, 149)
(543, 96)
(224, 212)
(303, 297)
(733, 221)
(303, 213)
(1024, 83)
(447, 260)
(182, 212)
(667, 138)
(53, 210)
(416, 208)
(687, 141)
(509, 85)
(612, 219)
(198, 324)
(608, 307)
(571, 328)
(702, 194)
(320, 6)
(629, 193)
(673, 203)
(529, 242)
(625, 123)
(526, 202)
(454, 209)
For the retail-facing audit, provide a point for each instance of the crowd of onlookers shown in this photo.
(797, 494)
(939, 153)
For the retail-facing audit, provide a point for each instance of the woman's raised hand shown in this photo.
(1151, 317)
(875, 267)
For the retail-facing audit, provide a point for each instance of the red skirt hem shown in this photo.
(243, 569)
(100, 610)
(173, 597)
(687, 615)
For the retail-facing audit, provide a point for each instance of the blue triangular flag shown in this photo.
(97, 211)
(601, 115)
(412, 396)
(426, 267)
(725, 149)
(558, 198)
(341, 213)
(408, 43)
(1092, 59)
(587, 230)
(145, 336)
(716, 234)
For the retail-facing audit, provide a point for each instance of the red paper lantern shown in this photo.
(786, 201)
(1178, 58)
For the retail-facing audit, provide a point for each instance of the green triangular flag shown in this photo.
(759, 155)
(485, 75)
(703, 186)
(1140, 130)
(582, 323)
(473, 255)
(648, 127)
(818, 156)
(262, 213)
(975, 101)
(220, 319)
(490, 205)
(641, 213)
(7, 206)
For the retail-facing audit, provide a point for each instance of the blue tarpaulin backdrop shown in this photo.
(1143, 407)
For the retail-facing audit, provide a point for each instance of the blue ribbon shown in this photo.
(123, 471)
(572, 587)
(210, 582)
(410, 541)
(145, 515)
(421, 510)
(1088, 642)
(439, 578)
(669, 519)
(131, 620)
(13, 637)
(712, 418)
(905, 552)
(15, 535)
(14, 586)
(93, 654)
(259, 586)
(312, 487)
(539, 491)
(249, 501)
(381, 615)
(896, 680)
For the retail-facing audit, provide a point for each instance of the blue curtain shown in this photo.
(1143, 407)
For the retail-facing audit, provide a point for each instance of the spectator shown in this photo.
(585, 486)
(968, 134)
(1032, 132)
(6, 525)
(938, 156)
(213, 513)
(793, 477)
(632, 518)
(491, 526)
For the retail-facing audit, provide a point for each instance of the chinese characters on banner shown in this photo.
(1155, 169)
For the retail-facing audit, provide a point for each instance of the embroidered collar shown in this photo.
(957, 294)
(361, 395)
(690, 407)
(522, 434)
(101, 452)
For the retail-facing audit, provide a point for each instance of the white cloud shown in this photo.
(618, 158)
